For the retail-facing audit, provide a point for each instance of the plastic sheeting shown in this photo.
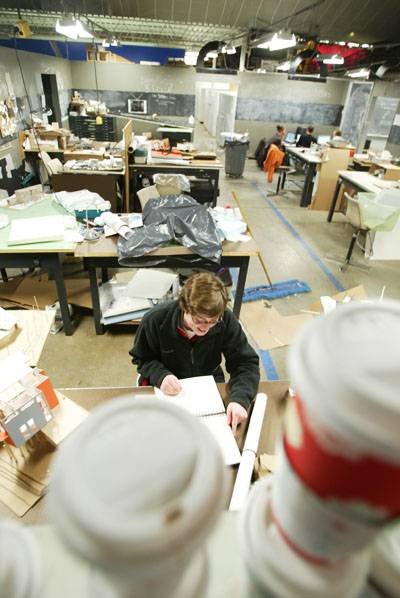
(380, 211)
(178, 218)
(164, 180)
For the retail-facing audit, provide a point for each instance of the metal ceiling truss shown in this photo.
(131, 30)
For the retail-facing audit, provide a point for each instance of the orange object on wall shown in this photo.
(273, 160)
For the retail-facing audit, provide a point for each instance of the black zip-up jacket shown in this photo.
(159, 349)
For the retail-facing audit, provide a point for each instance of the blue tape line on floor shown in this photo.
(268, 364)
(338, 285)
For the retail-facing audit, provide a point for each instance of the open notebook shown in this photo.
(200, 396)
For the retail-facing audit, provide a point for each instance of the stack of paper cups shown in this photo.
(136, 490)
(275, 570)
(21, 562)
(385, 564)
(339, 481)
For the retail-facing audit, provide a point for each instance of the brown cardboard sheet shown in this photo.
(268, 327)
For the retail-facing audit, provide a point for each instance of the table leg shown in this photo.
(3, 273)
(104, 275)
(55, 265)
(244, 266)
(94, 291)
(334, 199)
(308, 186)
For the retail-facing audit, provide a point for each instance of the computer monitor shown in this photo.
(323, 139)
(290, 138)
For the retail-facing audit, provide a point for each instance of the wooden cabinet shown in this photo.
(334, 159)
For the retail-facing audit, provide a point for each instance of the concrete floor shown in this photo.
(292, 241)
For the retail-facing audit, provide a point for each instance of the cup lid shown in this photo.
(345, 368)
(135, 480)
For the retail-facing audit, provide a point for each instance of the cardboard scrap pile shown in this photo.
(270, 329)
(38, 291)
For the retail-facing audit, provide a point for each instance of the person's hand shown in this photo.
(170, 385)
(236, 414)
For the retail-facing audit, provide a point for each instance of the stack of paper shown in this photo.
(122, 301)
(200, 396)
(117, 306)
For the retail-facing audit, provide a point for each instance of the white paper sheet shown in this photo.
(150, 284)
(36, 230)
(199, 395)
(219, 428)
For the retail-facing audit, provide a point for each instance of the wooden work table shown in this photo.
(89, 398)
(104, 254)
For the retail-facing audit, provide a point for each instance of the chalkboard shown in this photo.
(163, 104)
(288, 112)
(382, 116)
(355, 110)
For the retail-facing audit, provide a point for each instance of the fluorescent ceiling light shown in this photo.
(72, 28)
(190, 58)
(361, 73)
(284, 66)
(278, 41)
(332, 58)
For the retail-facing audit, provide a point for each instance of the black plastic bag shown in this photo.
(178, 218)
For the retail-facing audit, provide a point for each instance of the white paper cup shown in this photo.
(345, 372)
(385, 562)
(319, 530)
(21, 565)
(275, 570)
(136, 490)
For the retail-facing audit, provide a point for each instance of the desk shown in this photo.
(390, 171)
(89, 398)
(103, 182)
(311, 161)
(202, 169)
(103, 254)
(39, 255)
(356, 181)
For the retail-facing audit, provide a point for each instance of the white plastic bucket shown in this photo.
(136, 490)
(275, 570)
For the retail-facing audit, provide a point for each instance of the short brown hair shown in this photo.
(310, 129)
(204, 294)
(280, 128)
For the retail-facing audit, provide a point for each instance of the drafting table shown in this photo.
(356, 181)
(310, 160)
(103, 254)
(202, 169)
(39, 255)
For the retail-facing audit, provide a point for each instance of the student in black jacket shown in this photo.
(187, 337)
(307, 138)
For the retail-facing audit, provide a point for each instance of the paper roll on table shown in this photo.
(243, 478)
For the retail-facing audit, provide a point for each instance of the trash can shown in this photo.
(235, 157)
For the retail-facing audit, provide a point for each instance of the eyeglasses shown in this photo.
(202, 322)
